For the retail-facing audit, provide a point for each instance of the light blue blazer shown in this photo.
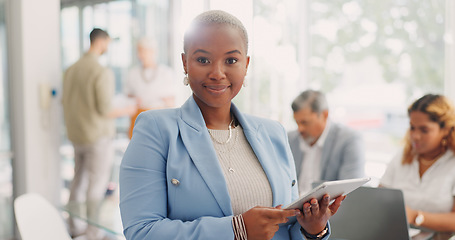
(342, 157)
(173, 145)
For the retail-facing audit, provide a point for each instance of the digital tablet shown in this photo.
(333, 188)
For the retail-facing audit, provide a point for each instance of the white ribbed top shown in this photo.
(248, 185)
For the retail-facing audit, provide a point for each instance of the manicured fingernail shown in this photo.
(326, 198)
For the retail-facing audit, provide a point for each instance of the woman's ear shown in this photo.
(184, 62)
(247, 62)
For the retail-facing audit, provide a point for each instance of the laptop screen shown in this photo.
(371, 213)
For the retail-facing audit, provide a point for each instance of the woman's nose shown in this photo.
(415, 135)
(301, 128)
(217, 71)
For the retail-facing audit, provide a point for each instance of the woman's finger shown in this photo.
(307, 209)
(335, 205)
(314, 206)
(325, 202)
(285, 214)
(277, 216)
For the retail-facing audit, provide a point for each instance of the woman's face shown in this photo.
(216, 63)
(426, 135)
(145, 55)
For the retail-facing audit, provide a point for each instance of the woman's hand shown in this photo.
(262, 222)
(316, 214)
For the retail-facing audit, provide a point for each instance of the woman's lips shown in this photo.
(217, 89)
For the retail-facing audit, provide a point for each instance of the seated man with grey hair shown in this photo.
(323, 150)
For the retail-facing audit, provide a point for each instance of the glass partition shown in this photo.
(6, 172)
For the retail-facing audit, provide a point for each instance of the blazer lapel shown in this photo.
(197, 141)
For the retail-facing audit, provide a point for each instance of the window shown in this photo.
(373, 58)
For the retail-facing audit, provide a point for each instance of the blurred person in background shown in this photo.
(88, 91)
(322, 150)
(425, 168)
(151, 83)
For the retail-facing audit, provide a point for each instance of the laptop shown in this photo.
(374, 213)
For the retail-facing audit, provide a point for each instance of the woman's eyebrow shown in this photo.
(200, 50)
(233, 51)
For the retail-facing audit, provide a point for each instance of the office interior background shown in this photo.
(372, 59)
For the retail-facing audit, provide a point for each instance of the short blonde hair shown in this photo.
(214, 17)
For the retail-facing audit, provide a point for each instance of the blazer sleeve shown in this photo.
(143, 192)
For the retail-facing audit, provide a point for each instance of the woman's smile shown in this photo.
(216, 88)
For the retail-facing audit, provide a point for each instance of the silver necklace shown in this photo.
(230, 169)
(230, 134)
(227, 155)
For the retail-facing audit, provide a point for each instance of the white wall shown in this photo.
(34, 59)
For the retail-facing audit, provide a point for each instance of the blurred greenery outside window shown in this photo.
(373, 58)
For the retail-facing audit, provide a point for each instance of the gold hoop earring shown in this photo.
(444, 142)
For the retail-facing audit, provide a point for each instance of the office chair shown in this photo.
(37, 219)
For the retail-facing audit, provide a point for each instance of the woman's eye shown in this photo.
(202, 60)
(231, 60)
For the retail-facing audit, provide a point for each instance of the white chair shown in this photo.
(38, 219)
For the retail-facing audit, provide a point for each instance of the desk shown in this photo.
(436, 235)
(443, 236)
(109, 219)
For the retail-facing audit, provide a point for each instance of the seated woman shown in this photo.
(206, 170)
(425, 169)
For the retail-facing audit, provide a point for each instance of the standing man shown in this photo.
(322, 150)
(88, 90)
